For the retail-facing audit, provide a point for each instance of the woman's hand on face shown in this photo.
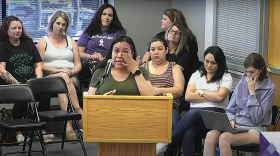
(252, 82)
(112, 92)
(130, 63)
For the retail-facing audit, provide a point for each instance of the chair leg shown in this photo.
(43, 146)
(238, 154)
(30, 144)
(63, 134)
(80, 137)
(1, 152)
(25, 139)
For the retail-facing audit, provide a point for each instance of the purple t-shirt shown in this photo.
(97, 43)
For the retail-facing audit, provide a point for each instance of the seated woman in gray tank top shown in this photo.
(61, 58)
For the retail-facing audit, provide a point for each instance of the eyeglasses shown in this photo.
(175, 32)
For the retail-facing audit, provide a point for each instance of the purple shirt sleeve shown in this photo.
(252, 110)
(231, 108)
(83, 40)
(258, 108)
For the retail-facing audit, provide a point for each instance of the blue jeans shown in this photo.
(190, 124)
(175, 117)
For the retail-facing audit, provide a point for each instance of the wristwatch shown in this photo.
(137, 72)
(201, 93)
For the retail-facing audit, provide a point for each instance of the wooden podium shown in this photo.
(127, 125)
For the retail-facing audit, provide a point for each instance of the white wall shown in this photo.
(141, 19)
(194, 12)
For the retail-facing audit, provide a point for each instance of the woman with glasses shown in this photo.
(208, 89)
(177, 39)
(171, 16)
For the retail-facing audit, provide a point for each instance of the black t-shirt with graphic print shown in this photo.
(19, 60)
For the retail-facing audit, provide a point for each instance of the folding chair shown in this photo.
(256, 147)
(53, 86)
(21, 93)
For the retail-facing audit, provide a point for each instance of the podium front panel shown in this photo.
(128, 119)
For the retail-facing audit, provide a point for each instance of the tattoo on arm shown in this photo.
(4, 63)
(6, 76)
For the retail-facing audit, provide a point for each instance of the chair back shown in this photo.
(52, 85)
(15, 93)
(275, 116)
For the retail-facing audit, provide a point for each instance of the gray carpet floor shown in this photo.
(55, 149)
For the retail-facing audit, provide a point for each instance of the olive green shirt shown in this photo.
(126, 87)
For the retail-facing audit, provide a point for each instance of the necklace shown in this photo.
(57, 42)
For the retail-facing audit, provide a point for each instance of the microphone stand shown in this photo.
(107, 70)
(100, 83)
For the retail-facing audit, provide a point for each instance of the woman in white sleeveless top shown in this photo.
(61, 58)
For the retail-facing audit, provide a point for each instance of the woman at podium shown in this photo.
(125, 76)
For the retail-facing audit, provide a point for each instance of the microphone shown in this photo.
(110, 62)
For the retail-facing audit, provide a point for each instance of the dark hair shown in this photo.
(220, 59)
(4, 31)
(160, 39)
(94, 26)
(256, 60)
(122, 38)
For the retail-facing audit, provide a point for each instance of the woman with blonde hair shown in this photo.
(61, 58)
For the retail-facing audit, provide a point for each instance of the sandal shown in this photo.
(71, 135)
(80, 121)
(47, 137)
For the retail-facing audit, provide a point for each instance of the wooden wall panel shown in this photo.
(274, 34)
(274, 47)
(276, 80)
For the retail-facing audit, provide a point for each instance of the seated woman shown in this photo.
(250, 108)
(19, 60)
(165, 76)
(61, 58)
(126, 77)
(103, 29)
(96, 39)
(208, 89)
